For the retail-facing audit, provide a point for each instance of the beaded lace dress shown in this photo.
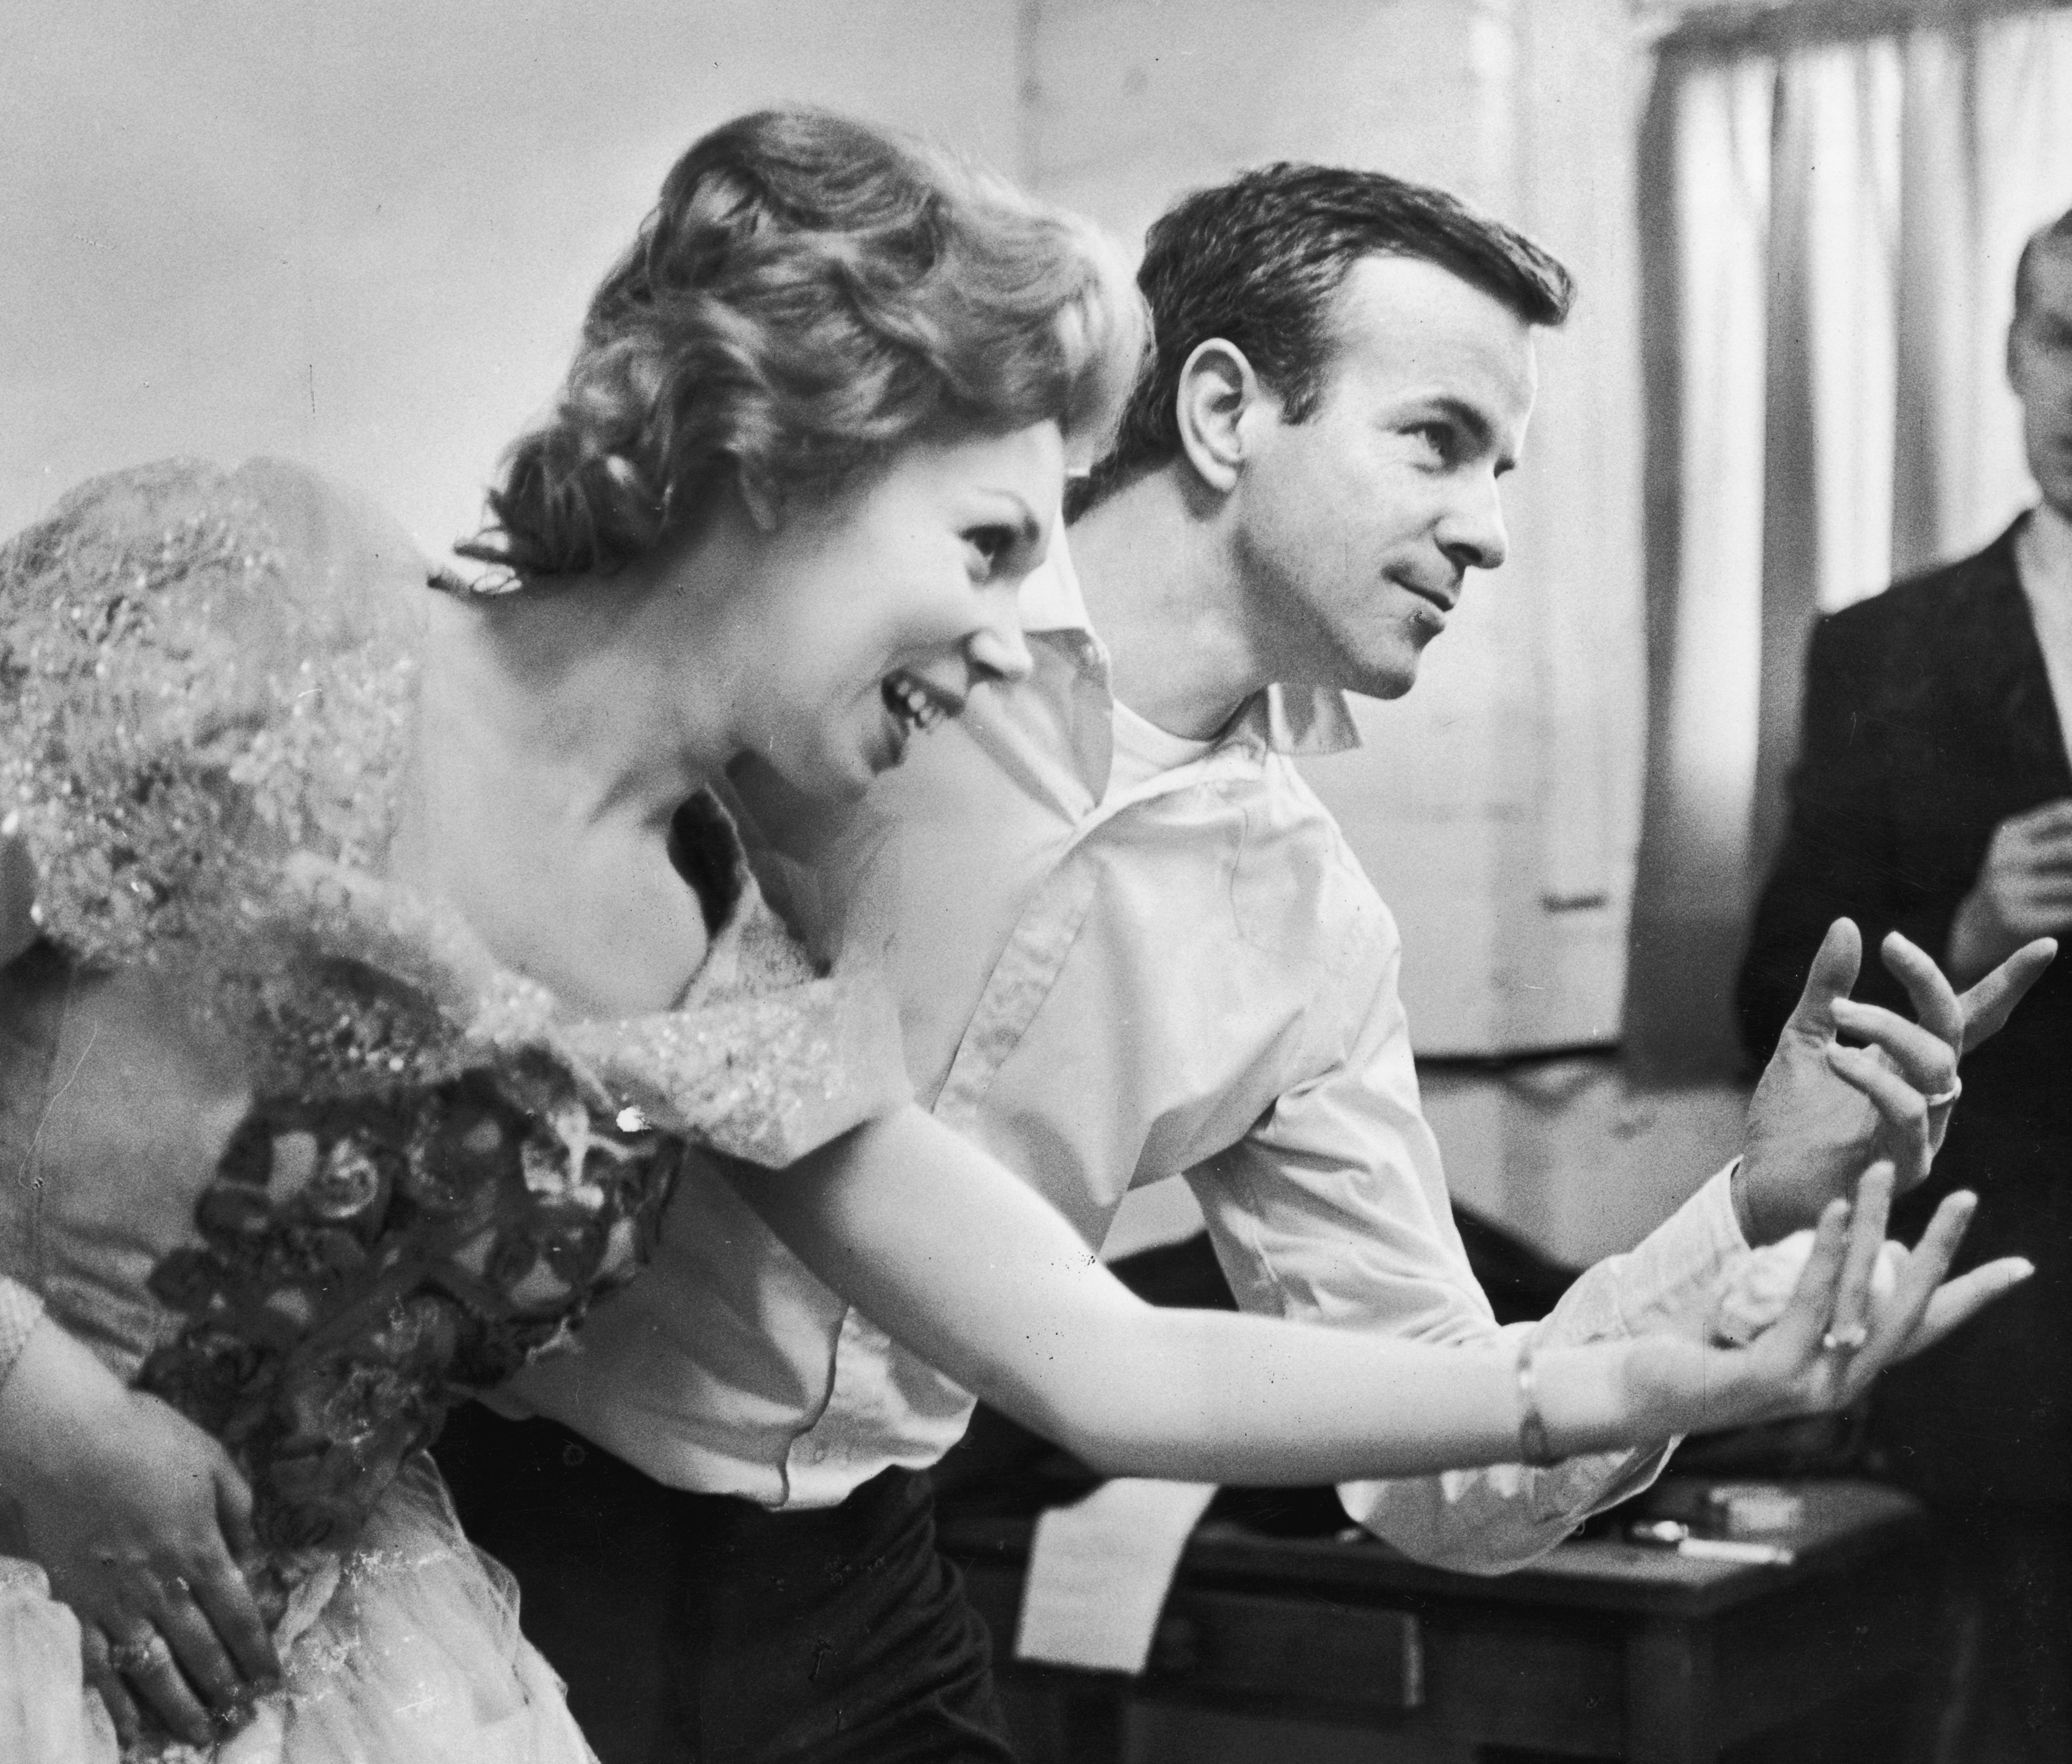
(281, 1140)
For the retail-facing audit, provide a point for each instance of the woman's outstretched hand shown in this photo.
(138, 1517)
(1833, 1339)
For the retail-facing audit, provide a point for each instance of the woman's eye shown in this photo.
(990, 546)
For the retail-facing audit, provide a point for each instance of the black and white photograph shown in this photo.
(1035, 881)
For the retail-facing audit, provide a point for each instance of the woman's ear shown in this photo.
(1217, 389)
(762, 505)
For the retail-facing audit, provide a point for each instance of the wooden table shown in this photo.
(1604, 1650)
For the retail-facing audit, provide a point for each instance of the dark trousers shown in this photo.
(699, 1628)
(2003, 1657)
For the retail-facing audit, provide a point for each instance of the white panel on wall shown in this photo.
(1133, 101)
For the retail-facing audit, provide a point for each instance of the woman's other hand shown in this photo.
(138, 1517)
(1834, 1337)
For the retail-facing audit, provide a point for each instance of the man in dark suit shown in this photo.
(1934, 795)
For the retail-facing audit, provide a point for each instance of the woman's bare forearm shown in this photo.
(55, 1393)
(1210, 1396)
(968, 1268)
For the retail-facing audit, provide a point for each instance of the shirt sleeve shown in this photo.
(1334, 1209)
(20, 1311)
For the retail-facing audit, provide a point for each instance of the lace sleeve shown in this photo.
(765, 1058)
(766, 1077)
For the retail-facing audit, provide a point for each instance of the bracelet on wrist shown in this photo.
(1534, 1447)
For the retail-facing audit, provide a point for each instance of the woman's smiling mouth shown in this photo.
(914, 702)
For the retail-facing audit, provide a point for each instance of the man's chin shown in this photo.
(1393, 687)
(824, 781)
(1389, 680)
(1386, 669)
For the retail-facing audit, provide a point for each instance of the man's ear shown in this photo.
(1217, 389)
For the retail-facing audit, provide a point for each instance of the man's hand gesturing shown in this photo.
(1823, 1112)
(2023, 889)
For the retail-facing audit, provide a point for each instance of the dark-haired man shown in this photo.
(1933, 794)
(1130, 942)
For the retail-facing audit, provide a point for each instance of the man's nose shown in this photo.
(1472, 532)
(997, 650)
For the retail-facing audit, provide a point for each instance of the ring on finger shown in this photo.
(1845, 1340)
(140, 1652)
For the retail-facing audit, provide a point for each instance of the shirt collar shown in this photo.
(1298, 721)
(1305, 720)
(2044, 549)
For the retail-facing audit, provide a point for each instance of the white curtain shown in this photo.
(1834, 224)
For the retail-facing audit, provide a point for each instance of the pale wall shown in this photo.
(361, 232)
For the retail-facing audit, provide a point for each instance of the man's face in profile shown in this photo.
(2039, 369)
(1360, 522)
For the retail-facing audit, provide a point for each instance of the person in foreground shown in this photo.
(1129, 946)
(397, 985)
(1934, 795)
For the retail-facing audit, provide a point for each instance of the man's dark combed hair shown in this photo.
(2055, 236)
(1258, 262)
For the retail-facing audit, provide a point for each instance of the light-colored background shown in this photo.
(362, 232)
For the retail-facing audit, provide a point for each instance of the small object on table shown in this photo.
(1749, 1510)
(1670, 1534)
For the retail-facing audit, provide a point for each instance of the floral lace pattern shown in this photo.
(365, 1263)
(184, 708)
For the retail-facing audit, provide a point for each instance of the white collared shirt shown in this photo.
(2043, 561)
(1187, 973)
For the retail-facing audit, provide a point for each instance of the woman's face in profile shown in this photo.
(885, 605)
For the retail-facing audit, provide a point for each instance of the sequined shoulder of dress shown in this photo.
(765, 1058)
(200, 673)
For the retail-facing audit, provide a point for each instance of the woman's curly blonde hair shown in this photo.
(809, 293)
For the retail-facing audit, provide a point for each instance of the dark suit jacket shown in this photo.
(1928, 720)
